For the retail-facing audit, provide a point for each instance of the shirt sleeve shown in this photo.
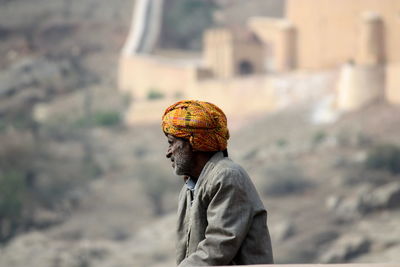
(229, 216)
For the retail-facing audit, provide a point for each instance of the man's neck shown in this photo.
(200, 160)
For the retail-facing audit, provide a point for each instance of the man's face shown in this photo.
(181, 155)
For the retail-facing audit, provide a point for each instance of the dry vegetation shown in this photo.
(78, 188)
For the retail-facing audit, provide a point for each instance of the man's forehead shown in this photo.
(174, 138)
(171, 137)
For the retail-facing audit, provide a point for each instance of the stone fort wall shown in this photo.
(141, 74)
(315, 34)
(329, 31)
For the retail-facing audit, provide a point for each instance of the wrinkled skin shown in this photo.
(181, 155)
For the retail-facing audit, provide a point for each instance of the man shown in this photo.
(221, 219)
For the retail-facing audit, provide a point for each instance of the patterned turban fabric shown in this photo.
(202, 123)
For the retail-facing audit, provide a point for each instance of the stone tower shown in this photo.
(232, 52)
(371, 40)
(364, 81)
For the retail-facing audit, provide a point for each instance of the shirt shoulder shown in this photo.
(226, 171)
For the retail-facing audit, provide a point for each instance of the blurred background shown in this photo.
(311, 89)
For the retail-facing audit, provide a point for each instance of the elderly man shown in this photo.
(221, 219)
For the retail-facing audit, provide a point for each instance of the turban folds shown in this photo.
(202, 123)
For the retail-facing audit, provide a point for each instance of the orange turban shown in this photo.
(202, 123)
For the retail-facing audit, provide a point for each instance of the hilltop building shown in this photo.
(362, 37)
(326, 34)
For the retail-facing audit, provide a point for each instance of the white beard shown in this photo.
(182, 165)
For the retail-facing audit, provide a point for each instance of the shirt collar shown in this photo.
(191, 184)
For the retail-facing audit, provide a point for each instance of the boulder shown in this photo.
(283, 231)
(351, 207)
(43, 218)
(366, 200)
(384, 197)
(346, 248)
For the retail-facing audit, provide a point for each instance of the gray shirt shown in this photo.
(223, 222)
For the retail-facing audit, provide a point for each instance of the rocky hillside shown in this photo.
(51, 50)
(327, 201)
(330, 195)
(78, 188)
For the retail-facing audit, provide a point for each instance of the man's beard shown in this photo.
(183, 163)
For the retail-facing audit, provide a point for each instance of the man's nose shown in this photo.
(169, 153)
